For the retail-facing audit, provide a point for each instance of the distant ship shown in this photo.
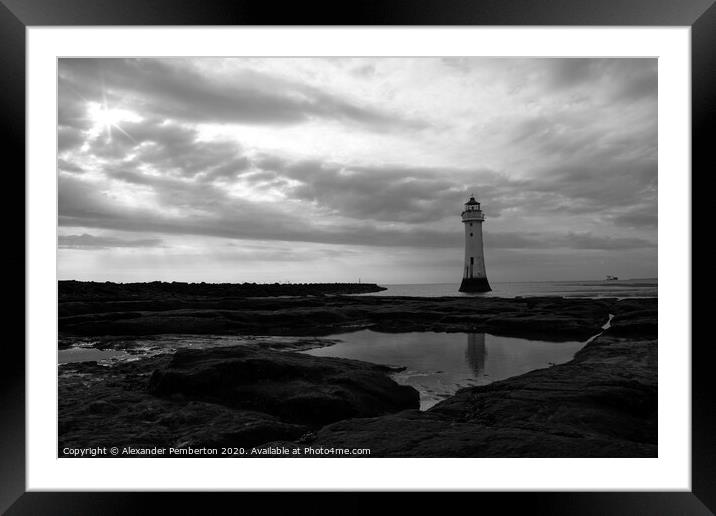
(612, 278)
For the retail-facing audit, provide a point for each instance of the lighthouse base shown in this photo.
(474, 285)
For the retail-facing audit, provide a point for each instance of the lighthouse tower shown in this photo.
(474, 278)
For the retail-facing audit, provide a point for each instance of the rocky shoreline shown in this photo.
(267, 394)
(601, 404)
(556, 318)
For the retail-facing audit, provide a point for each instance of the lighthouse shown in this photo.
(474, 278)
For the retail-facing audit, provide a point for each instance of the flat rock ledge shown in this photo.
(549, 317)
(228, 396)
(601, 404)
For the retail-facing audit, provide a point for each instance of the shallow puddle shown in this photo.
(438, 364)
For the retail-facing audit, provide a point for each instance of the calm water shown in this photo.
(438, 364)
(85, 350)
(619, 288)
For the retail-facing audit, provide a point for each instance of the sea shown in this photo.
(642, 287)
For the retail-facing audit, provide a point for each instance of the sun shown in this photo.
(104, 119)
(104, 116)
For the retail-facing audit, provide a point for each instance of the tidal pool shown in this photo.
(438, 364)
(101, 356)
(127, 349)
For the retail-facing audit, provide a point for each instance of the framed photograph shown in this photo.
(439, 250)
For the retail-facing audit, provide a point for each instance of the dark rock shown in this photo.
(552, 318)
(601, 404)
(110, 406)
(100, 407)
(635, 318)
(292, 386)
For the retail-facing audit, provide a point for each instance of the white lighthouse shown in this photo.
(474, 278)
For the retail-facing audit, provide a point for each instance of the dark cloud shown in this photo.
(361, 198)
(169, 149)
(86, 241)
(166, 149)
(570, 240)
(212, 212)
(571, 72)
(393, 194)
(161, 177)
(589, 241)
(641, 217)
(420, 194)
(171, 88)
(580, 169)
(229, 169)
(573, 137)
(596, 187)
(66, 166)
(252, 222)
(626, 79)
(364, 71)
(459, 64)
(68, 138)
(80, 200)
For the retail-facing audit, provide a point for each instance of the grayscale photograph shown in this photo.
(357, 257)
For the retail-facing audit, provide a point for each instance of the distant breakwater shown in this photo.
(71, 290)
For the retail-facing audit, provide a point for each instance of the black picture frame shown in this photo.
(17, 15)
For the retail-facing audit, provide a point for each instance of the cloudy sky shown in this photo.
(336, 169)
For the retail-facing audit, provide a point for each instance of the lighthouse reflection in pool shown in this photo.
(438, 364)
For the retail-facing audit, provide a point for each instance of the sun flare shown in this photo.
(104, 119)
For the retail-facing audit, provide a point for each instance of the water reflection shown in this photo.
(438, 364)
(476, 352)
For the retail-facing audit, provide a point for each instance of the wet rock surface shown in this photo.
(602, 403)
(226, 396)
(556, 318)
